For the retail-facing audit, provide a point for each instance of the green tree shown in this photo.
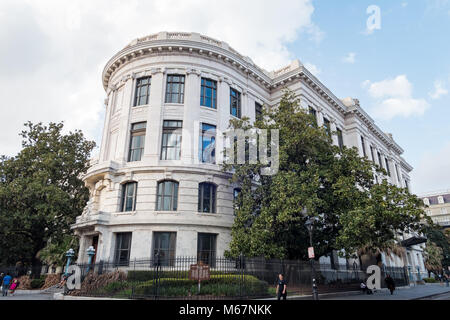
(333, 184)
(433, 257)
(41, 192)
(442, 240)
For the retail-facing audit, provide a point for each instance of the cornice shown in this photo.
(200, 45)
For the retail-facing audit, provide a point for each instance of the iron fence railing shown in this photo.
(241, 278)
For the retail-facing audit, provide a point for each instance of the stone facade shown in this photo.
(196, 57)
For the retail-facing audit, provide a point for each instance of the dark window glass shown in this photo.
(175, 89)
(207, 198)
(380, 163)
(313, 112)
(171, 140)
(340, 138)
(137, 141)
(142, 91)
(164, 244)
(258, 111)
(372, 154)
(388, 169)
(327, 126)
(235, 103)
(207, 143)
(208, 95)
(123, 248)
(206, 248)
(236, 193)
(363, 145)
(167, 197)
(128, 202)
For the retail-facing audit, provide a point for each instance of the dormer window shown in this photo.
(426, 201)
(441, 200)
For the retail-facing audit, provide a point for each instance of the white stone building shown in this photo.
(167, 95)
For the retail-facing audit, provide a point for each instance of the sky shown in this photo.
(397, 63)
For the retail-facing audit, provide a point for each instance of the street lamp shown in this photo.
(309, 224)
(90, 252)
(69, 254)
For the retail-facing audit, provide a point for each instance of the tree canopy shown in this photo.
(335, 185)
(41, 192)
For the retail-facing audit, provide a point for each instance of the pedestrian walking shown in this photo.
(390, 283)
(14, 285)
(5, 284)
(281, 287)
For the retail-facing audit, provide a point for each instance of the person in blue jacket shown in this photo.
(5, 284)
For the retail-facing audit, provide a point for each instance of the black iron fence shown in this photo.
(239, 278)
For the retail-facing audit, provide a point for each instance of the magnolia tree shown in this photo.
(335, 186)
(41, 193)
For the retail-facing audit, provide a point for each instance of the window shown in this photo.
(128, 201)
(372, 154)
(340, 138)
(175, 89)
(443, 210)
(398, 173)
(379, 160)
(426, 201)
(388, 169)
(167, 197)
(441, 200)
(206, 248)
(137, 141)
(142, 91)
(326, 125)
(171, 140)
(236, 193)
(207, 197)
(258, 111)
(208, 143)
(363, 145)
(313, 112)
(164, 243)
(208, 95)
(123, 248)
(235, 103)
(407, 184)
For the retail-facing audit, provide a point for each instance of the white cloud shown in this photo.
(439, 90)
(55, 52)
(404, 4)
(312, 68)
(433, 171)
(350, 58)
(393, 97)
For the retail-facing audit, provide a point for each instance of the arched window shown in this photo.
(207, 197)
(167, 197)
(128, 201)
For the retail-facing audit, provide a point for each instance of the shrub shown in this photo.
(430, 280)
(37, 283)
(219, 285)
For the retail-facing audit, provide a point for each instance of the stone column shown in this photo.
(191, 116)
(333, 130)
(320, 121)
(106, 130)
(155, 118)
(124, 128)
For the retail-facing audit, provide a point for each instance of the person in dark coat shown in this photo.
(281, 288)
(390, 283)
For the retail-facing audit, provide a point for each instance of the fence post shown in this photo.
(133, 284)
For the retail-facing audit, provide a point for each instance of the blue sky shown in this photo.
(413, 41)
(52, 54)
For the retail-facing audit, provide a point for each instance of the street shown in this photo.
(33, 296)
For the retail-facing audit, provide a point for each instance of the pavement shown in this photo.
(418, 292)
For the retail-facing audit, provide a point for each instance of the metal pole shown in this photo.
(313, 269)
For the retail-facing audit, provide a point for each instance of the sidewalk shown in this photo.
(403, 293)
